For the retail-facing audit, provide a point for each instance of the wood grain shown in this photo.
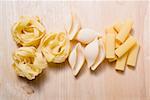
(57, 81)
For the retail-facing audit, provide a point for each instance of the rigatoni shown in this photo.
(132, 58)
(125, 47)
(110, 45)
(121, 62)
(124, 31)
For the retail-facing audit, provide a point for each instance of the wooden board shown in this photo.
(57, 81)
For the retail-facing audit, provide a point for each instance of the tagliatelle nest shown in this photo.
(55, 47)
(28, 62)
(28, 31)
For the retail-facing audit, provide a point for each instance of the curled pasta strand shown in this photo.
(28, 62)
(55, 47)
(28, 31)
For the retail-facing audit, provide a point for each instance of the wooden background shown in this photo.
(57, 81)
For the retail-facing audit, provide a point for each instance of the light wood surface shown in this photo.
(57, 81)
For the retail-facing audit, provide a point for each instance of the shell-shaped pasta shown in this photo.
(28, 31)
(55, 47)
(91, 52)
(101, 55)
(72, 25)
(86, 35)
(28, 62)
(94, 53)
(76, 59)
(68, 22)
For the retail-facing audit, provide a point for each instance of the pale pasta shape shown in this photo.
(72, 25)
(94, 53)
(76, 59)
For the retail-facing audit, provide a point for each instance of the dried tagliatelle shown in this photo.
(55, 47)
(28, 31)
(28, 62)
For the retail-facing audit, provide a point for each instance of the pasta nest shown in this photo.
(28, 62)
(55, 47)
(28, 31)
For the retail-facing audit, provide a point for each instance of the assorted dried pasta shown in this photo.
(37, 48)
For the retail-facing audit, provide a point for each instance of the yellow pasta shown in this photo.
(28, 62)
(121, 62)
(110, 45)
(110, 30)
(132, 58)
(28, 31)
(55, 47)
(117, 26)
(117, 44)
(124, 31)
(113, 59)
(125, 47)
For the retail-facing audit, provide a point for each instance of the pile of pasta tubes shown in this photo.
(120, 45)
(36, 48)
